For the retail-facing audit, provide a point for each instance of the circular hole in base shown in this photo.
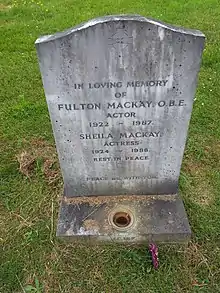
(121, 219)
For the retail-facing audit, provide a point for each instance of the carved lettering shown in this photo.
(148, 83)
(95, 136)
(122, 143)
(139, 134)
(103, 85)
(120, 115)
(137, 158)
(73, 107)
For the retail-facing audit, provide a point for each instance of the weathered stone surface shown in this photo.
(120, 93)
(156, 219)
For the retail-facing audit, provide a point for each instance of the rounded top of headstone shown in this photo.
(122, 17)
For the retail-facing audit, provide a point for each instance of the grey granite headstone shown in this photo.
(120, 93)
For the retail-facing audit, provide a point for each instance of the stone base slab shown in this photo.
(156, 218)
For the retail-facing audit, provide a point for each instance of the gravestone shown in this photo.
(120, 93)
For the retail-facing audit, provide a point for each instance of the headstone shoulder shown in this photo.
(115, 18)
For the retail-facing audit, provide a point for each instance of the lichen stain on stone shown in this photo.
(90, 224)
(82, 231)
(69, 232)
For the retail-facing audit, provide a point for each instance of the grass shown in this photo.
(32, 259)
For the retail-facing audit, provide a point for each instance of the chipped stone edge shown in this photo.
(121, 17)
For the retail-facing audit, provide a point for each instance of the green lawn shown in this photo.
(29, 196)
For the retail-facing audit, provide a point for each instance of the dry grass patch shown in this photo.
(201, 190)
(9, 231)
(37, 150)
(26, 163)
(193, 167)
(4, 7)
(202, 193)
(212, 152)
(196, 259)
(3, 225)
(193, 254)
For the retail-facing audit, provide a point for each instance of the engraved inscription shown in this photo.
(143, 130)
